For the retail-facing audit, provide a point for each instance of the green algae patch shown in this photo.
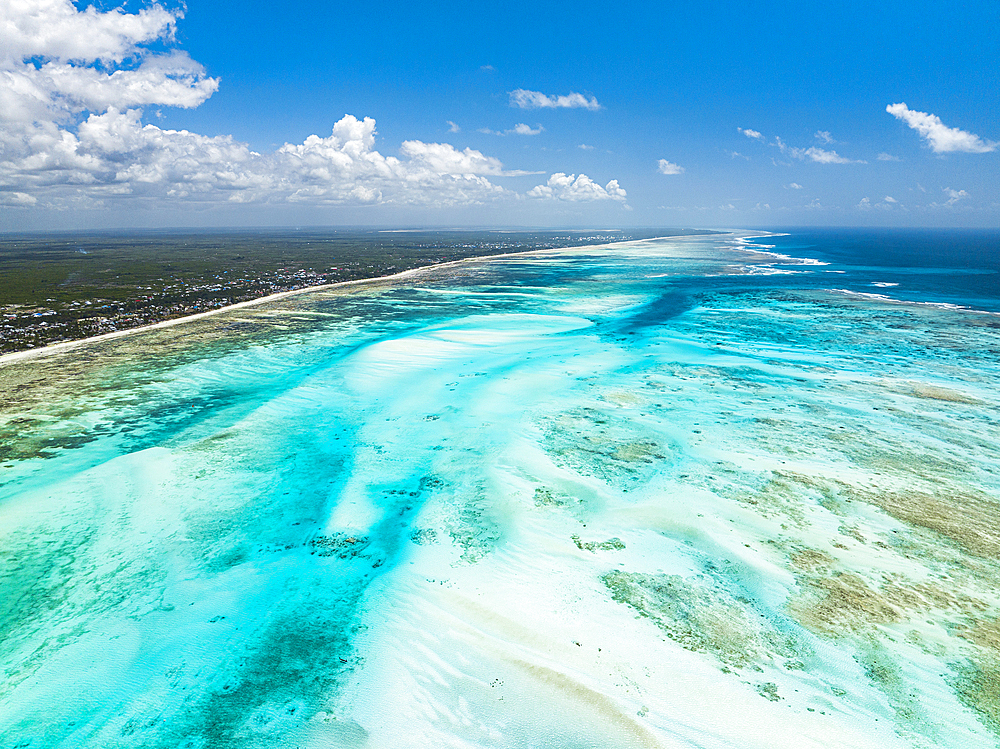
(811, 559)
(283, 673)
(699, 618)
(603, 445)
(471, 522)
(977, 686)
(884, 672)
(635, 452)
(340, 545)
(769, 691)
(969, 519)
(925, 391)
(545, 497)
(423, 536)
(612, 544)
(840, 604)
(977, 682)
(783, 494)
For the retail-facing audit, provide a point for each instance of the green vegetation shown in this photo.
(57, 287)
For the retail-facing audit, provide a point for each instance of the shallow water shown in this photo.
(675, 493)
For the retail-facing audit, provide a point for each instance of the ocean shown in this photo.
(734, 490)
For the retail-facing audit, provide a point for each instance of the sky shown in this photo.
(517, 114)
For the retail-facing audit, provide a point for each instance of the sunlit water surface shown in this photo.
(673, 493)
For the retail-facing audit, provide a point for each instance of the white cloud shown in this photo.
(819, 155)
(887, 157)
(518, 129)
(823, 136)
(886, 204)
(585, 147)
(524, 99)
(114, 156)
(17, 199)
(55, 29)
(793, 186)
(814, 153)
(954, 195)
(57, 61)
(73, 85)
(440, 158)
(452, 127)
(940, 137)
(571, 187)
(666, 167)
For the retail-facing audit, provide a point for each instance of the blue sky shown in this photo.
(513, 113)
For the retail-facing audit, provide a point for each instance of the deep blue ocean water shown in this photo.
(950, 266)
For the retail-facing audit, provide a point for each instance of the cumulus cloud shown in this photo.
(55, 29)
(452, 127)
(114, 156)
(585, 147)
(818, 155)
(72, 87)
(954, 196)
(524, 99)
(751, 133)
(18, 199)
(440, 158)
(573, 188)
(57, 61)
(793, 186)
(666, 167)
(823, 136)
(940, 137)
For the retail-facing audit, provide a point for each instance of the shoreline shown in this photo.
(55, 348)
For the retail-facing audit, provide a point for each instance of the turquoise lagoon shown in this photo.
(684, 492)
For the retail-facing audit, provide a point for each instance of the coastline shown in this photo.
(61, 346)
(699, 513)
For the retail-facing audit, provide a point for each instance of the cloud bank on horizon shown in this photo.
(100, 111)
(73, 132)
